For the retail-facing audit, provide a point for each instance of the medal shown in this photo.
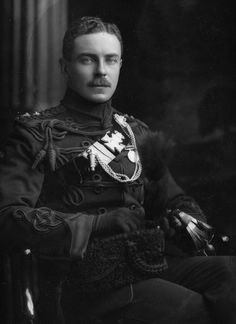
(132, 156)
(105, 150)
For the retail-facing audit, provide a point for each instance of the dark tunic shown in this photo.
(45, 186)
(48, 195)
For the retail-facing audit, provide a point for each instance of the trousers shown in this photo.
(198, 289)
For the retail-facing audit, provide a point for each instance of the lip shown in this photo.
(99, 86)
(99, 89)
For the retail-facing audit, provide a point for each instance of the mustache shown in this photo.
(99, 82)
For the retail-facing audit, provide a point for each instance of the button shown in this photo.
(97, 177)
(98, 189)
(85, 144)
(101, 210)
(132, 207)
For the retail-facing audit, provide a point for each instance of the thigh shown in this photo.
(177, 297)
(214, 278)
(153, 301)
(202, 273)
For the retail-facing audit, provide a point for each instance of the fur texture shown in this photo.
(155, 152)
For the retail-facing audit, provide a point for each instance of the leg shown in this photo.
(181, 296)
(158, 301)
(213, 277)
(150, 301)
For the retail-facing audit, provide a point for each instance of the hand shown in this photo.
(170, 225)
(120, 220)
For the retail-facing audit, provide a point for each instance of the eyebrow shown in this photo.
(95, 56)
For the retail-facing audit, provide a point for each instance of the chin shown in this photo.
(99, 98)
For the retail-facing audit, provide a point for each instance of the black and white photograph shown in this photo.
(117, 162)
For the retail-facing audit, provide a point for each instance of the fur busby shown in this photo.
(155, 151)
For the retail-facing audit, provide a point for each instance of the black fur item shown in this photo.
(155, 151)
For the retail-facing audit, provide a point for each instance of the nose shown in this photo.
(101, 68)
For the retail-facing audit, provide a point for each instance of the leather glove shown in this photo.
(170, 224)
(120, 220)
(186, 228)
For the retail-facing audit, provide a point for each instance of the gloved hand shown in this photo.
(171, 224)
(120, 220)
(185, 228)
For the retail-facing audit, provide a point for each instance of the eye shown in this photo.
(86, 60)
(112, 60)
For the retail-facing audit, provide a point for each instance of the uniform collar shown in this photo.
(86, 110)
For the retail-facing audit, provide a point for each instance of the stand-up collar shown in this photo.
(87, 111)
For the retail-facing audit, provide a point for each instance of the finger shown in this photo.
(125, 228)
(138, 213)
(174, 221)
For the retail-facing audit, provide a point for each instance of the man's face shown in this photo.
(94, 68)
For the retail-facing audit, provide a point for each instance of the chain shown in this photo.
(121, 120)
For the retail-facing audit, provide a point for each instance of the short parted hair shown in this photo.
(87, 25)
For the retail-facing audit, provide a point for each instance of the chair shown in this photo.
(30, 298)
(19, 288)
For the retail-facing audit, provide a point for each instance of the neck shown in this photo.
(76, 102)
(78, 105)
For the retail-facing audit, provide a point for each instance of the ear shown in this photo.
(63, 65)
(121, 62)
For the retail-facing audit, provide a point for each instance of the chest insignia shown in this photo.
(114, 141)
(109, 146)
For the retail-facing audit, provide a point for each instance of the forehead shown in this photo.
(101, 43)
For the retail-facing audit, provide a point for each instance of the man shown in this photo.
(87, 190)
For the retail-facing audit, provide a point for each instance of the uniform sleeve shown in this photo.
(22, 225)
(165, 202)
(163, 193)
(178, 200)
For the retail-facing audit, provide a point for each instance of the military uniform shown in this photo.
(44, 176)
(64, 164)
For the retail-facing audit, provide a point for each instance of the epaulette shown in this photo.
(41, 125)
(48, 127)
(39, 115)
